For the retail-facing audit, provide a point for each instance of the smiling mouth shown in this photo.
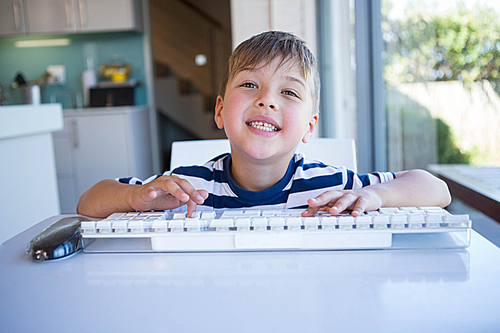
(263, 126)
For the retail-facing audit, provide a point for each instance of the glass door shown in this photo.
(441, 72)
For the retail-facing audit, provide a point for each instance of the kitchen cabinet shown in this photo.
(69, 16)
(48, 16)
(12, 17)
(97, 144)
(110, 15)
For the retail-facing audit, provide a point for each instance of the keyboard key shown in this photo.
(193, 224)
(120, 226)
(176, 225)
(328, 222)
(311, 223)
(160, 226)
(398, 221)
(271, 212)
(415, 220)
(388, 210)
(223, 224)
(104, 226)
(179, 215)
(293, 223)
(433, 220)
(259, 223)
(408, 209)
(88, 227)
(231, 213)
(363, 222)
(456, 221)
(380, 221)
(208, 215)
(136, 226)
(252, 212)
(432, 209)
(242, 223)
(346, 222)
(277, 223)
(115, 216)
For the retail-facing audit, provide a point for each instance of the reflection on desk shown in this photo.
(290, 269)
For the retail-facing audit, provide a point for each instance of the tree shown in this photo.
(425, 46)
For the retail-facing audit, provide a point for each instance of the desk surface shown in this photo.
(342, 291)
(479, 187)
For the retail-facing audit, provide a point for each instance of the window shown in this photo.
(441, 72)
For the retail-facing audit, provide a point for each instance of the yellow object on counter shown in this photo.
(116, 72)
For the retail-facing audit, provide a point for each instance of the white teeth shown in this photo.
(263, 126)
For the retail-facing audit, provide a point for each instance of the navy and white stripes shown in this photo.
(303, 180)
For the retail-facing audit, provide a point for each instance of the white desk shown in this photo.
(351, 291)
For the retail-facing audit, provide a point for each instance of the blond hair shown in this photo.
(268, 46)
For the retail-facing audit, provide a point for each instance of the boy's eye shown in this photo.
(249, 85)
(290, 93)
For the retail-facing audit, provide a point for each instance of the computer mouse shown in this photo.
(61, 239)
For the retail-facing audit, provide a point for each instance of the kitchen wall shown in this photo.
(102, 47)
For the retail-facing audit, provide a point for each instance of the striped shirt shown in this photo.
(303, 180)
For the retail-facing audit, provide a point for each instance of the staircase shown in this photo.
(180, 31)
(186, 110)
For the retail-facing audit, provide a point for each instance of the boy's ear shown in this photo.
(219, 106)
(311, 126)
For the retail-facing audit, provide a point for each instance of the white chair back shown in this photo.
(336, 152)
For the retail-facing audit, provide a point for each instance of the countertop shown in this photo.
(105, 110)
(26, 120)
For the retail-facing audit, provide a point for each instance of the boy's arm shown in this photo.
(410, 188)
(166, 192)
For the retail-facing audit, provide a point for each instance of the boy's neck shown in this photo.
(254, 175)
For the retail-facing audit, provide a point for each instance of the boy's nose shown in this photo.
(270, 105)
(266, 99)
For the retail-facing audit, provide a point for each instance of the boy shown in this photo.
(268, 103)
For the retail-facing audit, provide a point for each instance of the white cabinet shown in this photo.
(47, 16)
(69, 16)
(12, 17)
(99, 144)
(110, 15)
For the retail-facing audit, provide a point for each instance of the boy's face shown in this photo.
(267, 111)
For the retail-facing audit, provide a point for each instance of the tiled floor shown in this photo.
(485, 226)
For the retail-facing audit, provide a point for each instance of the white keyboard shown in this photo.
(276, 230)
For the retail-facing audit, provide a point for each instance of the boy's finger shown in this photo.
(310, 211)
(342, 204)
(204, 194)
(171, 187)
(324, 199)
(191, 205)
(360, 207)
(192, 193)
(191, 208)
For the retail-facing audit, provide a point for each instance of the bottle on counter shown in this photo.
(89, 80)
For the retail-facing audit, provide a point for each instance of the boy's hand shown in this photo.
(167, 192)
(335, 202)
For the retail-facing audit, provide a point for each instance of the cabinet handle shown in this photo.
(69, 22)
(83, 13)
(15, 8)
(76, 143)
